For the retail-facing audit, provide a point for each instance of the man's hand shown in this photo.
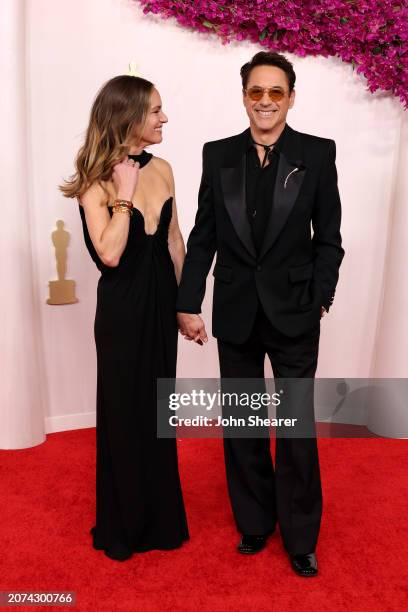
(323, 311)
(192, 327)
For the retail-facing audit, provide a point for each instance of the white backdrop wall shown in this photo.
(74, 46)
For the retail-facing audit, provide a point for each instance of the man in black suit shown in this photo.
(261, 194)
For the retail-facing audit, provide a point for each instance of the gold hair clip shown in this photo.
(133, 70)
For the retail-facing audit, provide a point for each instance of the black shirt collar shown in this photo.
(278, 145)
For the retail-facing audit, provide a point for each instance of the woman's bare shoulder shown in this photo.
(164, 168)
(97, 194)
(162, 164)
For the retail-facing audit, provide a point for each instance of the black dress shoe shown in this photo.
(251, 544)
(304, 565)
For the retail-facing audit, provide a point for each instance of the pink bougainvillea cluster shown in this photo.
(372, 35)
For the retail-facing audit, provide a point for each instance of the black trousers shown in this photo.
(291, 493)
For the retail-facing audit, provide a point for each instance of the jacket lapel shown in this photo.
(289, 178)
(233, 182)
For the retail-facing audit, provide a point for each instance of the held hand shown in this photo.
(125, 176)
(192, 327)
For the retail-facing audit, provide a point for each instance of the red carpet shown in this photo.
(47, 496)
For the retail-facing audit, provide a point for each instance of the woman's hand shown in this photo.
(125, 176)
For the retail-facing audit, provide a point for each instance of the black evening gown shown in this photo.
(139, 503)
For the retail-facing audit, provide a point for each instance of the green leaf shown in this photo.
(263, 34)
(208, 24)
(343, 20)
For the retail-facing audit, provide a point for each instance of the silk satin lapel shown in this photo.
(283, 200)
(233, 186)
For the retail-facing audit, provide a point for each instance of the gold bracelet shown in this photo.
(122, 209)
(119, 202)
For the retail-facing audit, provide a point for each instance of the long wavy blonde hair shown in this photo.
(120, 108)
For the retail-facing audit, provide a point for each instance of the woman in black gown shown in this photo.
(140, 253)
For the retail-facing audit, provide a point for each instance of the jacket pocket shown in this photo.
(301, 273)
(222, 273)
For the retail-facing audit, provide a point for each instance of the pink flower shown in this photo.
(372, 35)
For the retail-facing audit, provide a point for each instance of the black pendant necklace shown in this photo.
(267, 149)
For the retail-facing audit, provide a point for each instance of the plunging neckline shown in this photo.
(159, 219)
(143, 158)
(169, 199)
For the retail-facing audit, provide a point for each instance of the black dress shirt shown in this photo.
(260, 185)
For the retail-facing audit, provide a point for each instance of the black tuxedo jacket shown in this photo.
(296, 271)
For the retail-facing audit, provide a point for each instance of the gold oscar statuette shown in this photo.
(62, 291)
